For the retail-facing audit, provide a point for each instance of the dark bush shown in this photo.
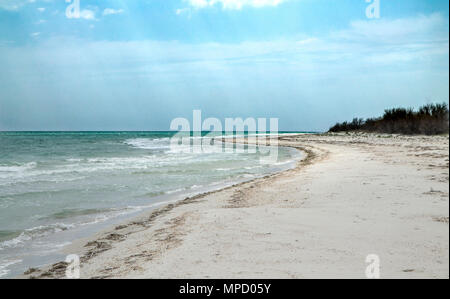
(430, 119)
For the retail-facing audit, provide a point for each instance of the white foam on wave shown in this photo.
(40, 179)
(74, 160)
(5, 264)
(17, 168)
(252, 167)
(31, 175)
(33, 233)
(175, 191)
(147, 143)
(196, 186)
(283, 162)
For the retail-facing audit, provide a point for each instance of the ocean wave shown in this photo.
(152, 194)
(37, 180)
(74, 160)
(253, 167)
(164, 144)
(18, 168)
(175, 190)
(147, 143)
(5, 264)
(9, 196)
(196, 186)
(8, 234)
(92, 165)
(224, 169)
(283, 162)
(78, 167)
(70, 213)
(33, 233)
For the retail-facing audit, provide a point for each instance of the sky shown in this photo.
(138, 64)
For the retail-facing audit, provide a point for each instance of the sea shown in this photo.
(57, 187)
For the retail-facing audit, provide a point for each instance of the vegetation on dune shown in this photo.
(430, 119)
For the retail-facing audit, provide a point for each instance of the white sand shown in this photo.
(355, 195)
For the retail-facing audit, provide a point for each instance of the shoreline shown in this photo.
(172, 201)
(151, 249)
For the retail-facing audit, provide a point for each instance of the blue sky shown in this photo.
(136, 65)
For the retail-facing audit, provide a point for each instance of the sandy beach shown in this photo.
(351, 196)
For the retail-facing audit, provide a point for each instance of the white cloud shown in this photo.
(13, 5)
(421, 28)
(112, 11)
(181, 11)
(362, 45)
(87, 14)
(233, 4)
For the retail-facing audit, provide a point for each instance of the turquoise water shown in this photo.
(56, 187)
